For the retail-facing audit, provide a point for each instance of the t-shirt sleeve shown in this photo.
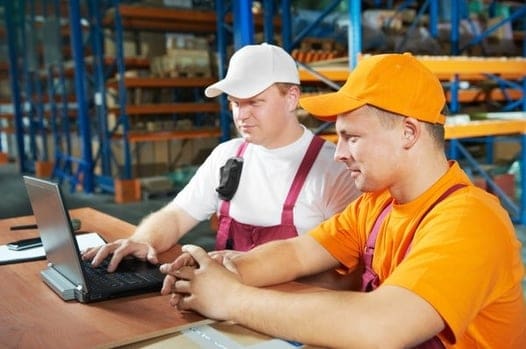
(454, 262)
(199, 197)
(340, 237)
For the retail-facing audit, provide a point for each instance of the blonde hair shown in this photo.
(284, 87)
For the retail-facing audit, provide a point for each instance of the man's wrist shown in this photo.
(240, 302)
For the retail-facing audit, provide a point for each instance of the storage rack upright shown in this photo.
(29, 104)
(508, 76)
(122, 17)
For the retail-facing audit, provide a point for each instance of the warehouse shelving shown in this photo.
(27, 135)
(506, 74)
(449, 68)
(91, 111)
(6, 118)
(120, 18)
(123, 17)
(39, 111)
(232, 22)
(507, 77)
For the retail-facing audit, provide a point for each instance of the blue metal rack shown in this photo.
(243, 34)
(67, 167)
(431, 7)
(13, 23)
(456, 149)
(90, 107)
(122, 95)
(26, 89)
(84, 173)
(39, 91)
(57, 90)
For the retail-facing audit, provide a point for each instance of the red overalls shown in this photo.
(370, 279)
(234, 235)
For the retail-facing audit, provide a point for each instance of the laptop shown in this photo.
(67, 274)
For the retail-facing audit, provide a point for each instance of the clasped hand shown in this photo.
(205, 283)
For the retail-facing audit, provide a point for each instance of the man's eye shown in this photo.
(348, 138)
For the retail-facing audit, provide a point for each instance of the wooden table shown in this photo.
(33, 316)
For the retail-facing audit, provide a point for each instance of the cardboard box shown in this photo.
(182, 62)
(145, 44)
(127, 190)
(506, 151)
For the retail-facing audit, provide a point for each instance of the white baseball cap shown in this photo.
(253, 69)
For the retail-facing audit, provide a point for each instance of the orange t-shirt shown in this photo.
(464, 258)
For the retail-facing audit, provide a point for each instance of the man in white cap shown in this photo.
(276, 181)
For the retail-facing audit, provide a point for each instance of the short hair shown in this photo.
(389, 119)
(437, 131)
(284, 87)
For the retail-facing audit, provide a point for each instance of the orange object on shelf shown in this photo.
(159, 136)
(480, 128)
(445, 67)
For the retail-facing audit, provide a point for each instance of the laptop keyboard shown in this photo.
(130, 272)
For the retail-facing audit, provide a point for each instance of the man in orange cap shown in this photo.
(441, 260)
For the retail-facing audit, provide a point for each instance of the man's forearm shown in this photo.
(308, 318)
(286, 263)
(257, 270)
(389, 317)
(161, 229)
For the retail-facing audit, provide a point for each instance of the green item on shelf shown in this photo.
(182, 175)
(502, 10)
(476, 7)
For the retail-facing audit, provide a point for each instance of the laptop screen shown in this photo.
(55, 228)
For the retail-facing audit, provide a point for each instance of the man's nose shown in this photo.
(342, 152)
(243, 112)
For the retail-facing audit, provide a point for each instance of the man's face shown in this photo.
(261, 119)
(370, 150)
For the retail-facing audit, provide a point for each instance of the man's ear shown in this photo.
(411, 131)
(293, 97)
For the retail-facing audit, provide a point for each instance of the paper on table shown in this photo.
(9, 256)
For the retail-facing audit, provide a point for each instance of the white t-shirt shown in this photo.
(265, 182)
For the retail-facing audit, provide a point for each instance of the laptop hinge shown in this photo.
(58, 283)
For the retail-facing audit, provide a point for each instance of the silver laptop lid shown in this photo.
(55, 229)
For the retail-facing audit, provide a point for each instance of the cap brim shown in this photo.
(245, 88)
(328, 106)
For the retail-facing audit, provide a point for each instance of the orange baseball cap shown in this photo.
(394, 82)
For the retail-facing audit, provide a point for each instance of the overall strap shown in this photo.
(224, 209)
(371, 240)
(444, 195)
(369, 278)
(241, 149)
(441, 197)
(287, 216)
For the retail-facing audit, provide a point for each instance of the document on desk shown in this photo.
(217, 335)
(8, 256)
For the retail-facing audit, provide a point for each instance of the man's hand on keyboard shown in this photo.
(120, 249)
